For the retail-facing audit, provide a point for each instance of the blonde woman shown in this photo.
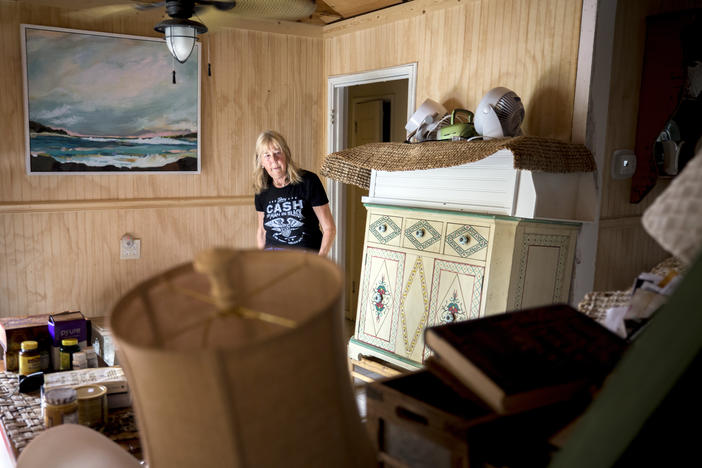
(293, 208)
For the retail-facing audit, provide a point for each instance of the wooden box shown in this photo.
(416, 420)
(15, 330)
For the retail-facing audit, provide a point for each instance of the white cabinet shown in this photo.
(491, 185)
(424, 267)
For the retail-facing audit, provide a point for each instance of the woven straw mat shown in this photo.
(20, 414)
(596, 303)
(353, 165)
(21, 417)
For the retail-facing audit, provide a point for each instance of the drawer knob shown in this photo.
(419, 233)
(377, 298)
(463, 240)
(448, 317)
(382, 228)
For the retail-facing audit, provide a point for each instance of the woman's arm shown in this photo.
(326, 221)
(260, 231)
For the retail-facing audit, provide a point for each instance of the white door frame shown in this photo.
(337, 93)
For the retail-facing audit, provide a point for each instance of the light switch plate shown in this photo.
(623, 164)
(129, 248)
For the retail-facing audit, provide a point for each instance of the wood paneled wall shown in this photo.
(624, 248)
(466, 47)
(59, 235)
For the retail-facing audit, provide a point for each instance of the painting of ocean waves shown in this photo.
(107, 103)
(98, 152)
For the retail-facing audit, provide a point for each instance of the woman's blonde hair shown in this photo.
(272, 140)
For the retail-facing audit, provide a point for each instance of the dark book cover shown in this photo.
(531, 349)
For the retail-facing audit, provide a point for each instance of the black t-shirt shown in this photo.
(288, 217)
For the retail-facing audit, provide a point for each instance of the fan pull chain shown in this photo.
(173, 60)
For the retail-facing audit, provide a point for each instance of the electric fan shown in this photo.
(499, 114)
(424, 122)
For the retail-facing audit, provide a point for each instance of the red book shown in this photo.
(525, 359)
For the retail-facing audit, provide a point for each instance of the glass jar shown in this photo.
(68, 347)
(60, 407)
(29, 358)
(92, 405)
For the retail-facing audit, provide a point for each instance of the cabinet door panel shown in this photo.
(380, 291)
(543, 272)
(456, 292)
(414, 307)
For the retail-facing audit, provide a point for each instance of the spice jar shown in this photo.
(60, 407)
(68, 347)
(29, 358)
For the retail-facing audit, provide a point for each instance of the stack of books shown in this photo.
(526, 359)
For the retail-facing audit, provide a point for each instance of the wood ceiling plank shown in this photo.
(349, 8)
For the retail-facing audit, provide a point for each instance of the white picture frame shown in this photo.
(100, 103)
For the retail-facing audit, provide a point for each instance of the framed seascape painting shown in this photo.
(98, 103)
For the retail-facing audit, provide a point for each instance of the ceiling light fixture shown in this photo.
(181, 35)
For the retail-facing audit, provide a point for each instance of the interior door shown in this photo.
(367, 122)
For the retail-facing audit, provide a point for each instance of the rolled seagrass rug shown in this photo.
(353, 165)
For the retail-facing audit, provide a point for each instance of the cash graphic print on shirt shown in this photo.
(285, 219)
(288, 213)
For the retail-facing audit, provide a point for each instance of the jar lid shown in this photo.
(29, 345)
(88, 392)
(60, 396)
(69, 342)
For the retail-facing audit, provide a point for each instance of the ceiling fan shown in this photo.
(181, 31)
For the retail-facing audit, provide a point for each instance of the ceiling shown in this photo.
(330, 11)
(326, 12)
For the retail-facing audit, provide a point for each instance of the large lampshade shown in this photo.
(674, 219)
(181, 35)
(248, 372)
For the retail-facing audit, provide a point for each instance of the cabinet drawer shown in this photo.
(384, 229)
(467, 241)
(422, 234)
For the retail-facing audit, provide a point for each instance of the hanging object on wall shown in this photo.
(670, 98)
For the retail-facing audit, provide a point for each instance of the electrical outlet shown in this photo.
(129, 248)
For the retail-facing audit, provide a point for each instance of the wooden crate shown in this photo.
(370, 369)
(416, 420)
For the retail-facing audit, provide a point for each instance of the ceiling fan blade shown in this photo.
(116, 8)
(219, 5)
(141, 6)
(103, 11)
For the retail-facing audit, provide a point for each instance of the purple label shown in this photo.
(68, 329)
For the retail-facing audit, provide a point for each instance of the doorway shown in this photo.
(364, 108)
